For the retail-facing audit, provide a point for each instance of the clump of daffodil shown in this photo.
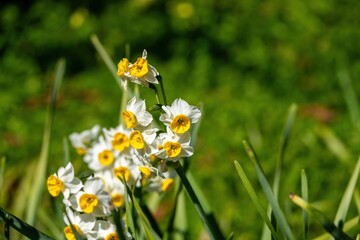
(136, 154)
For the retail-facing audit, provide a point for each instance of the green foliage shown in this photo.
(23, 227)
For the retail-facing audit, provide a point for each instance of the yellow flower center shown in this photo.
(180, 124)
(112, 236)
(122, 173)
(80, 151)
(106, 157)
(153, 157)
(88, 202)
(172, 149)
(123, 67)
(117, 199)
(69, 233)
(120, 142)
(167, 184)
(137, 140)
(145, 171)
(129, 119)
(55, 186)
(139, 68)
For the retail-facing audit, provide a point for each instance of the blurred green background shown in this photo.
(245, 61)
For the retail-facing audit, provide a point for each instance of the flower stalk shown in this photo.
(213, 230)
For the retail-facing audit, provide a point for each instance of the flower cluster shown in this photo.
(134, 154)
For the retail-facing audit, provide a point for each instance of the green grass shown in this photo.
(245, 62)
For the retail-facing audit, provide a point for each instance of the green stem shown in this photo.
(119, 227)
(213, 231)
(170, 227)
(153, 87)
(159, 78)
(39, 177)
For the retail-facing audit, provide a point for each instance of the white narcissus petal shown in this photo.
(60, 172)
(67, 173)
(150, 135)
(75, 185)
(145, 118)
(93, 185)
(187, 151)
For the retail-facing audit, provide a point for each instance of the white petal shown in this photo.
(93, 185)
(75, 185)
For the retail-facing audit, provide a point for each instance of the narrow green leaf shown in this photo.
(116, 214)
(304, 194)
(106, 58)
(150, 218)
(199, 193)
(66, 151)
(113, 70)
(349, 96)
(357, 200)
(178, 216)
(39, 177)
(204, 203)
(2, 174)
(334, 144)
(150, 233)
(327, 224)
(255, 199)
(26, 229)
(7, 231)
(171, 223)
(284, 143)
(348, 226)
(212, 229)
(181, 224)
(346, 199)
(279, 163)
(279, 215)
(128, 213)
(231, 236)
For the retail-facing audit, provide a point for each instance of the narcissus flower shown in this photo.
(144, 141)
(143, 72)
(119, 139)
(92, 199)
(101, 155)
(107, 230)
(135, 114)
(83, 140)
(173, 146)
(161, 184)
(180, 115)
(64, 182)
(83, 224)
